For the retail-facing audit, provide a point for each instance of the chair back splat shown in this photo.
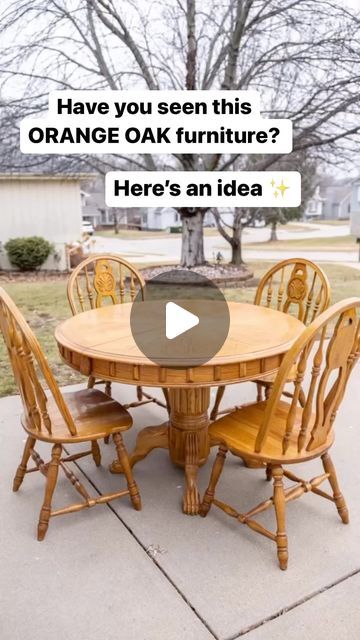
(297, 286)
(31, 369)
(328, 349)
(103, 279)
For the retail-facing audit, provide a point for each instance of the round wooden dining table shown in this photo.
(100, 343)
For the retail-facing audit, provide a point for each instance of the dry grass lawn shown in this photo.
(44, 305)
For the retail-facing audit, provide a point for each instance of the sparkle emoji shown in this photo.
(279, 189)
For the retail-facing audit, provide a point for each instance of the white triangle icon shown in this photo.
(178, 320)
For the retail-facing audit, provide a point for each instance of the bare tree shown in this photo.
(302, 55)
(232, 233)
(247, 217)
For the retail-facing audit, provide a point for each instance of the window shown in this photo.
(312, 208)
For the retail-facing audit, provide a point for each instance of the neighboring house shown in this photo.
(314, 208)
(337, 199)
(96, 211)
(41, 205)
(94, 208)
(160, 219)
(152, 219)
(355, 209)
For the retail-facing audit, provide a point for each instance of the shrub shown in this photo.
(28, 253)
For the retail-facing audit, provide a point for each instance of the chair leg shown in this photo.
(268, 390)
(125, 464)
(167, 399)
(139, 393)
(91, 382)
(95, 450)
(51, 479)
(108, 393)
(214, 478)
(259, 395)
(338, 496)
(219, 396)
(279, 504)
(21, 470)
(268, 472)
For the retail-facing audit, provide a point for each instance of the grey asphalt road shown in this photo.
(167, 249)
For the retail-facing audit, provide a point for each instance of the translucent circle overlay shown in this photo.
(194, 293)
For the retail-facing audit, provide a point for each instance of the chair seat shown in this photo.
(239, 429)
(95, 414)
(270, 378)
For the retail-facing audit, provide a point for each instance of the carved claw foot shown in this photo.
(148, 439)
(191, 500)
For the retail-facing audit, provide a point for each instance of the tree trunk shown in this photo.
(236, 252)
(273, 233)
(116, 222)
(192, 250)
(236, 240)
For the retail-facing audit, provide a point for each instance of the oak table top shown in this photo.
(100, 343)
(101, 340)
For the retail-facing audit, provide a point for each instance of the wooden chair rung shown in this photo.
(256, 526)
(149, 400)
(244, 519)
(77, 456)
(236, 407)
(155, 400)
(74, 481)
(291, 476)
(263, 506)
(92, 503)
(225, 507)
(323, 494)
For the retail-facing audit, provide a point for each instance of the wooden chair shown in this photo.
(107, 279)
(60, 419)
(275, 432)
(296, 286)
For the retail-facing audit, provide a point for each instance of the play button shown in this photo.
(178, 320)
(181, 321)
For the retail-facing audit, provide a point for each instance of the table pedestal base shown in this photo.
(186, 437)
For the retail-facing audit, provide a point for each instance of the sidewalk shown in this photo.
(114, 573)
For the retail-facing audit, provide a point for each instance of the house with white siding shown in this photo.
(41, 205)
(355, 209)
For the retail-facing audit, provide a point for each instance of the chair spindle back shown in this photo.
(102, 279)
(30, 369)
(296, 286)
(330, 363)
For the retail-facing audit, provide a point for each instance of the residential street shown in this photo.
(167, 249)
